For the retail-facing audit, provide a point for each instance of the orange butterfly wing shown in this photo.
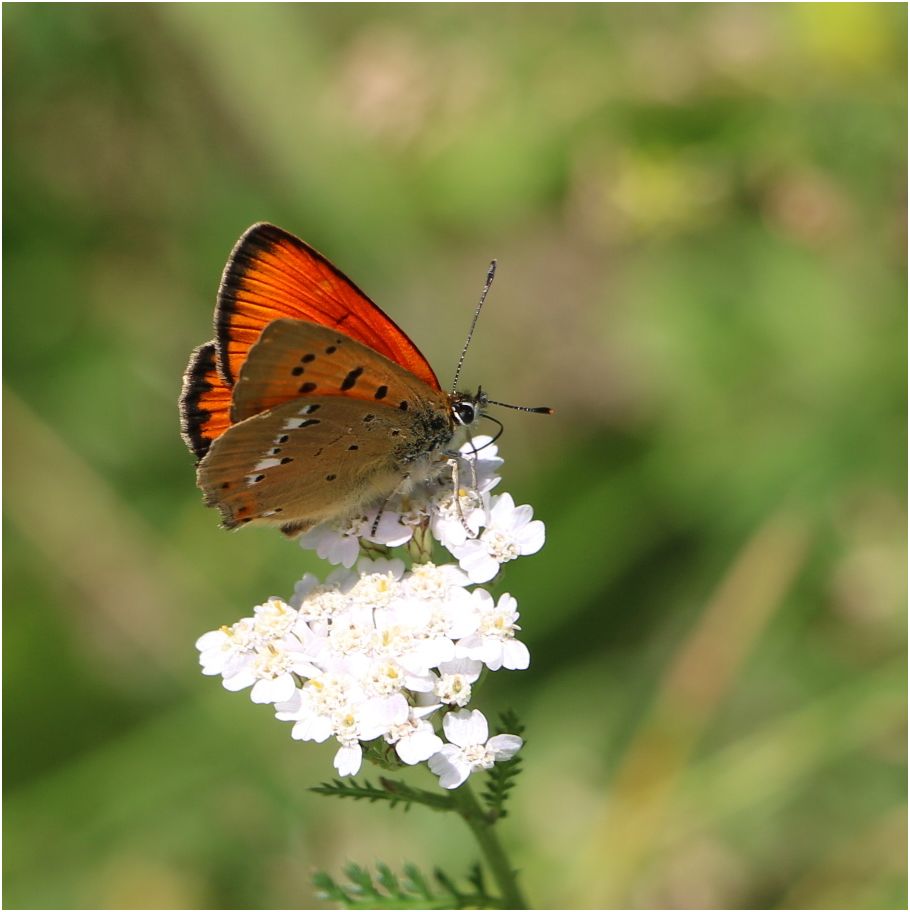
(272, 274)
(205, 401)
(294, 359)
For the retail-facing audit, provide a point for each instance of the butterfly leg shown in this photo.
(379, 513)
(455, 455)
(456, 487)
(473, 463)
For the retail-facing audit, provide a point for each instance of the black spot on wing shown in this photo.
(351, 378)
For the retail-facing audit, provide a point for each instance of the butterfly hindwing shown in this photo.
(316, 459)
(205, 401)
(294, 358)
(272, 274)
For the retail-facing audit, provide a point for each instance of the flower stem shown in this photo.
(491, 848)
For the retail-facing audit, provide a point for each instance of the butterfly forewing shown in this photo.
(272, 274)
(318, 458)
(294, 358)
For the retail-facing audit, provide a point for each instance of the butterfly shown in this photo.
(310, 404)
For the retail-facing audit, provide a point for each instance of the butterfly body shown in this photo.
(310, 405)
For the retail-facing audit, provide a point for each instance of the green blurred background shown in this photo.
(700, 218)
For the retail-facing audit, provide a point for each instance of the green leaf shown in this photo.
(392, 791)
(415, 883)
(501, 779)
(410, 891)
(387, 880)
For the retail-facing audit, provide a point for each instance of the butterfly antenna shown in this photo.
(483, 296)
(540, 409)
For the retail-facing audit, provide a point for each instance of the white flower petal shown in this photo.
(303, 587)
(470, 647)
(420, 684)
(390, 530)
(273, 690)
(463, 618)
(468, 668)
(532, 537)
(521, 516)
(465, 727)
(480, 446)
(476, 561)
(485, 649)
(420, 746)
(504, 746)
(338, 546)
(392, 566)
(501, 510)
(422, 711)
(212, 665)
(378, 715)
(240, 680)
(312, 728)
(515, 655)
(348, 759)
(449, 766)
(214, 639)
(428, 654)
(288, 709)
(491, 653)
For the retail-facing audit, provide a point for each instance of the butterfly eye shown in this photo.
(465, 412)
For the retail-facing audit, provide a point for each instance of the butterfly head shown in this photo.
(468, 407)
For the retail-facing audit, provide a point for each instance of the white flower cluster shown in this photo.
(376, 651)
